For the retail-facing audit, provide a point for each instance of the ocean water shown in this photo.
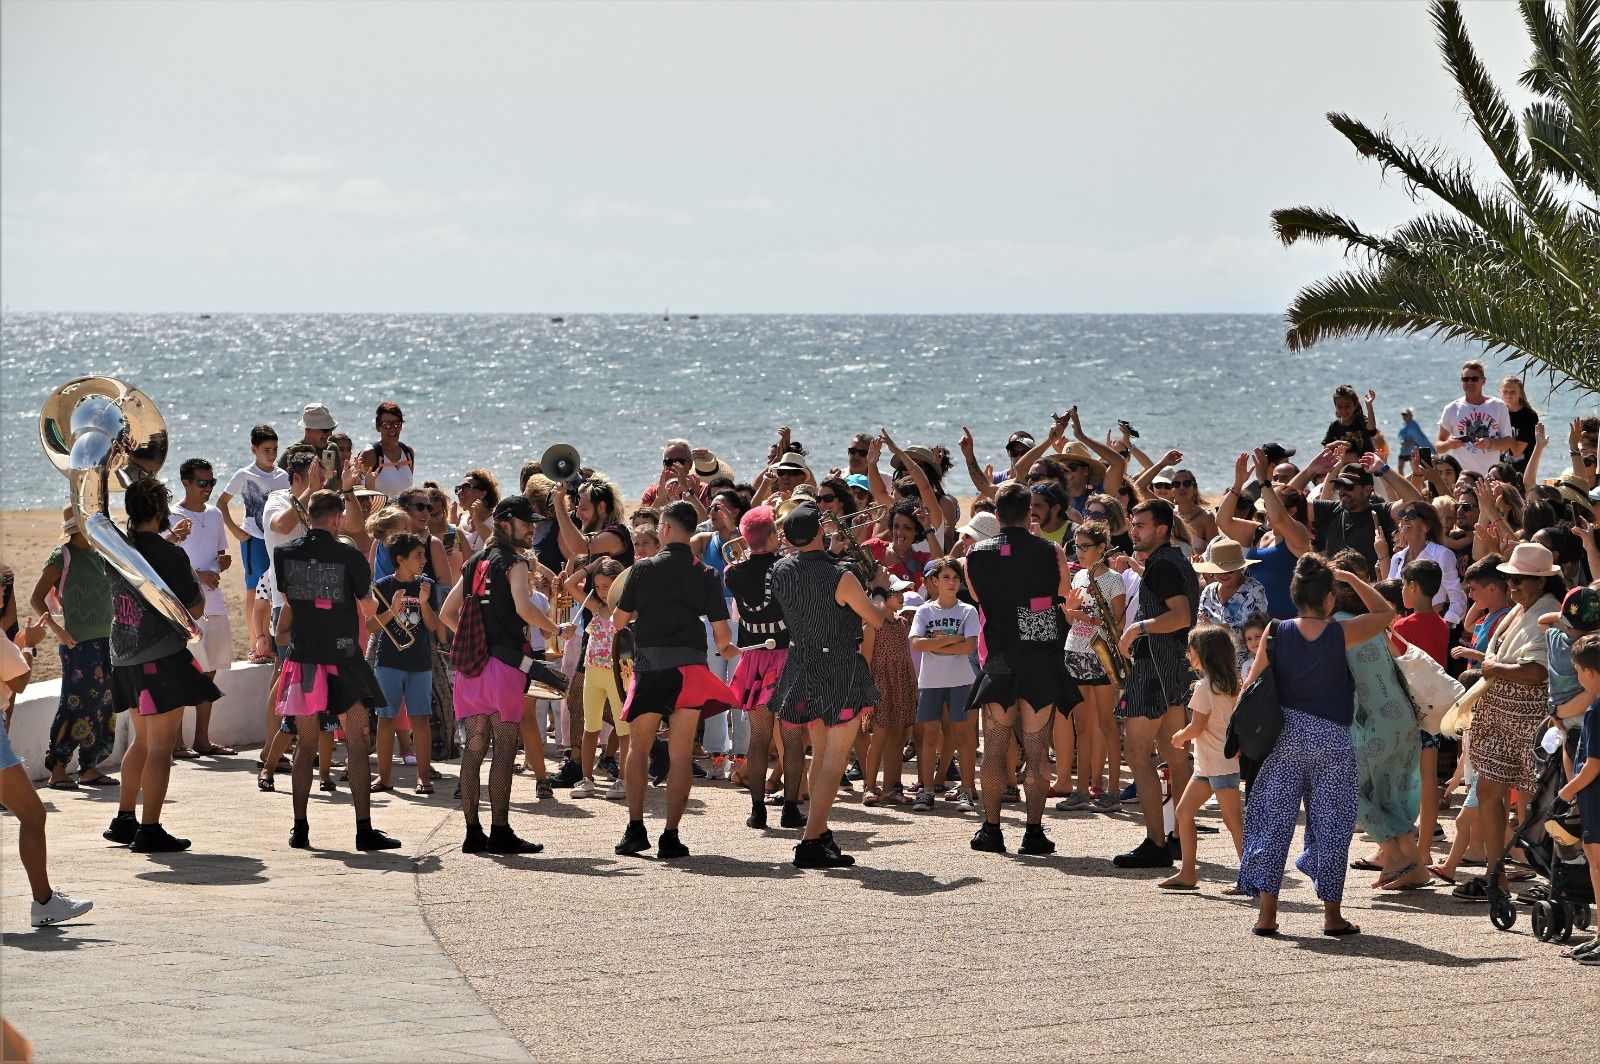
(495, 390)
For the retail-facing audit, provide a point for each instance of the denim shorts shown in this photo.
(934, 702)
(1230, 782)
(415, 689)
(8, 754)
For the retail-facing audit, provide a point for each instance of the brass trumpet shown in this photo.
(859, 555)
(406, 638)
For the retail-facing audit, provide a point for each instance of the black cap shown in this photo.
(1276, 452)
(1352, 476)
(517, 506)
(802, 525)
(1024, 438)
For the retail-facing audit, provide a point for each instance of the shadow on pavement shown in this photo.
(723, 866)
(53, 939)
(903, 883)
(382, 860)
(1382, 947)
(604, 867)
(205, 869)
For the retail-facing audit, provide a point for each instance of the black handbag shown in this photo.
(1258, 718)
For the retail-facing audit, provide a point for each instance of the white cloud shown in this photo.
(595, 208)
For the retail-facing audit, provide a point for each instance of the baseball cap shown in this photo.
(802, 525)
(1024, 438)
(1163, 477)
(859, 481)
(983, 525)
(1276, 452)
(518, 507)
(1351, 476)
(1581, 609)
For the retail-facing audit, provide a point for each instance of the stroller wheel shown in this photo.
(1582, 917)
(1544, 920)
(1502, 913)
(1563, 915)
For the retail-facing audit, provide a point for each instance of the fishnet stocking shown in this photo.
(308, 729)
(358, 747)
(755, 762)
(500, 774)
(794, 762)
(1036, 753)
(996, 752)
(479, 729)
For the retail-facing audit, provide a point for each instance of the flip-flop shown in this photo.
(1167, 884)
(101, 780)
(1264, 932)
(1383, 882)
(214, 751)
(63, 785)
(1439, 873)
(185, 754)
(1235, 892)
(1364, 865)
(1340, 932)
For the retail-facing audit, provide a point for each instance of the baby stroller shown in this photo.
(1568, 899)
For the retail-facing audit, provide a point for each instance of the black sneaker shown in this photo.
(1146, 855)
(757, 818)
(813, 853)
(476, 841)
(854, 772)
(609, 766)
(121, 831)
(156, 839)
(1035, 843)
(845, 784)
(699, 772)
(669, 847)
(1012, 795)
(989, 840)
(503, 840)
(952, 774)
(568, 774)
(373, 839)
(1175, 846)
(840, 858)
(634, 840)
(1202, 828)
(300, 837)
(792, 816)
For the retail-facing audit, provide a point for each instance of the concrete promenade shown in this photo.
(244, 949)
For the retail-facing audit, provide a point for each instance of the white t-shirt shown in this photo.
(207, 539)
(1487, 420)
(1209, 760)
(251, 485)
(276, 504)
(944, 670)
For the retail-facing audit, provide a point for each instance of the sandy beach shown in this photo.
(26, 539)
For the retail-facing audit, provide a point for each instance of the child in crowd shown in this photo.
(1211, 654)
(252, 485)
(888, 649)
(404, 622)
(945, 632)
(1349, 426)
(590, 588)
(1255, 627)
(1420, 623)
(1583, 789)
(541, 716)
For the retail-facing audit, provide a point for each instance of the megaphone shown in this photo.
(560, 462)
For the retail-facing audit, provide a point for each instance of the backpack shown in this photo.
(470, 651)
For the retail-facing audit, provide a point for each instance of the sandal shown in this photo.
(1383, 881)
(63, 784)
(379, 788)
(328, 785)
(1474, 889)
(215, 750)
(101, 780)
(264, 782)
(1438, 872)
(1345, 928)
(1366, 864)
(872, 797)
(183, 753)
(424, 788)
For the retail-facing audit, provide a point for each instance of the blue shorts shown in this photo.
(1230, 782)
(8, 754)
(414, 688)
(1588, 804)
(256, 560)
(934, 702)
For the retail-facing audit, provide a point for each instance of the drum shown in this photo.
(622, 661)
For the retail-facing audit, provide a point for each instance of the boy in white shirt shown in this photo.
(252, 485)
(207, 547)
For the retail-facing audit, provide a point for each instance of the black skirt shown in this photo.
(1038, 677)
(162, 685)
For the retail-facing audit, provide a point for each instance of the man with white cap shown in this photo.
(316, 424)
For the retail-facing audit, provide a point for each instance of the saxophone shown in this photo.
(1104, 640)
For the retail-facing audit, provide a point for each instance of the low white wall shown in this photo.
(239, 718)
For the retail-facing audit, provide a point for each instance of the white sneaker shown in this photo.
(618, 789)
(58, 909)
(718, 769)
(966, 802)
(584, 788)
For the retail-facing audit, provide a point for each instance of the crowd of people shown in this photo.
(1091, 616)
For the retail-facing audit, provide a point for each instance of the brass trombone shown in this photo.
(386, 606)
(735, 551)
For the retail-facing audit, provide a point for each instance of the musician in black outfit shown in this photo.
(760, 620)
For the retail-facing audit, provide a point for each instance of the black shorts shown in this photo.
(1153, 687)
(162, 686)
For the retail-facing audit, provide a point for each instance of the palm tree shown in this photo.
(1513, 265)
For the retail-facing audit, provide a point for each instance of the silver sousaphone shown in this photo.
(103, 435)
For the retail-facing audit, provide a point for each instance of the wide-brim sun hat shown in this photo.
(1227, 556)
(1077, 452)
(1530, 559)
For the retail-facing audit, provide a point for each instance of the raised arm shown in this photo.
(1237, 528)
(1530, 472)
(930, 501)
(982, 483)
(1380, 614)
(1116, 465)
(1294, 534)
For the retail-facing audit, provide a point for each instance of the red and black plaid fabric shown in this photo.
(470, 651)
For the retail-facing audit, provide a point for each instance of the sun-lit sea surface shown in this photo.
(494, 390)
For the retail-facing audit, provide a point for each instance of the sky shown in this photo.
(717, 157)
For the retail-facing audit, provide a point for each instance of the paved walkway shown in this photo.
(925, 949)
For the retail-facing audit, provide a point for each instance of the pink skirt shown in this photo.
(498, 689)
(756, 676)
(685, 687)
(305, 688)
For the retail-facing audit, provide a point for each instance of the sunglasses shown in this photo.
(1095, 515)
(857, 452)
(1016, 450)
(827, 498)
(390, 424)
(668, 463)
(1470, 379)
(209, 483)
(1588, 459)
(420, 507)
(1406, 515)
(467, 485)
(1183, 483)
(1034, 478)
(790, 473)
(1517, 578)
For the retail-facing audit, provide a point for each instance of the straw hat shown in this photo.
(1077, 452)
(1576, 492)
(1227, 556)
(1529, 559)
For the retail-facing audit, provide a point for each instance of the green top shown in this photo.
(85, 594)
